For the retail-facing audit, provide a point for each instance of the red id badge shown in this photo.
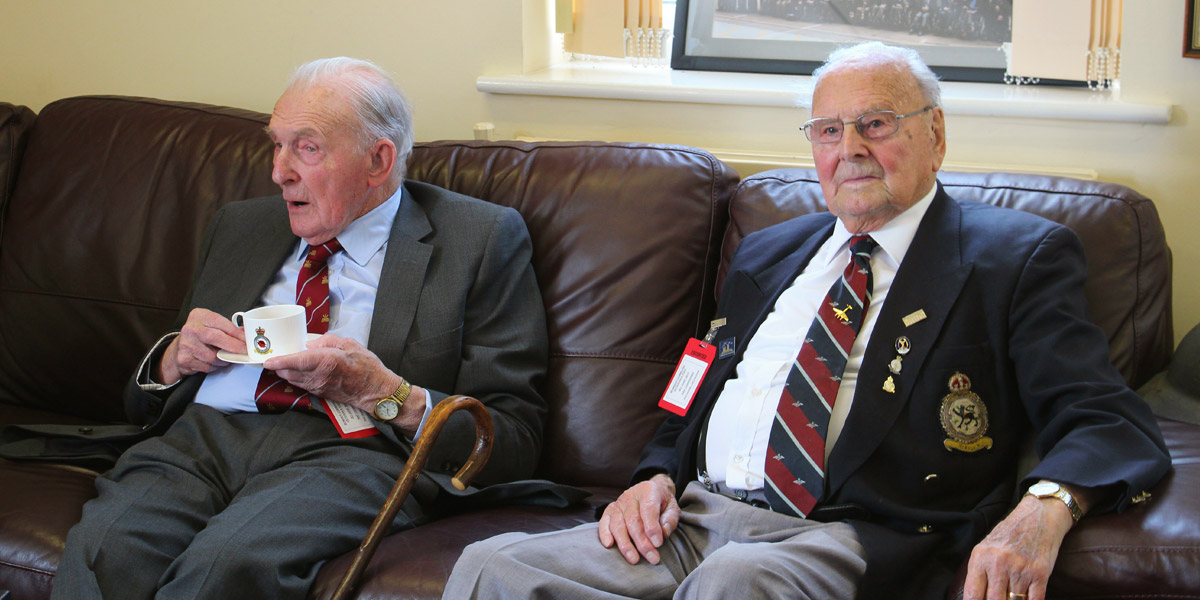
(694, 363)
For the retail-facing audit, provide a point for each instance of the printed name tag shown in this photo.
(694, 363)
(349, 421)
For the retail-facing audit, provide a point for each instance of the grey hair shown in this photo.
(878, 53)
(380, 108)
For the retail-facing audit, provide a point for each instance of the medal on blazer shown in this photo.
(964, 417)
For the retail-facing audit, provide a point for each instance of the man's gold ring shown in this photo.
(1015, 596)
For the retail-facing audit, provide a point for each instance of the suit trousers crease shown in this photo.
(722, 549)
(225, 506)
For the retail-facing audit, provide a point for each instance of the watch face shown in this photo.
(1043, 488)
(387, 410)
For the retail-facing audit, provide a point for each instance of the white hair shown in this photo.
(380, 108)
(877, 53)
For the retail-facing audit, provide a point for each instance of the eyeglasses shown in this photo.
(872, 125)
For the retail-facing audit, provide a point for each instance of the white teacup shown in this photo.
(273, 330)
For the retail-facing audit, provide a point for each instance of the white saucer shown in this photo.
(254, 361)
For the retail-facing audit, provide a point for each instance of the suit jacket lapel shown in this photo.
(930, 279)
(273, 238)
(771, 283)
(401, 281)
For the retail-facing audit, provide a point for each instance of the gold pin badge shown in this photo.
(841, 313)
(914, 318)
(889, 386)
(903, 345)
(964, 417)
(896, 365)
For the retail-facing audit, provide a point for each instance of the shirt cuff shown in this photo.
(424, 417)
(152, 358)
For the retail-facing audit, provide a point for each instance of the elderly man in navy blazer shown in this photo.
(881, 368)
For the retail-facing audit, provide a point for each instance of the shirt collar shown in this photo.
(894, 237)
(366, 235)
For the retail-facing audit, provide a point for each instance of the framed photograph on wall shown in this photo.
(1191, 29)
(960, 39)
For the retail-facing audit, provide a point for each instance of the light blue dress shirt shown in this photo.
(353, 283)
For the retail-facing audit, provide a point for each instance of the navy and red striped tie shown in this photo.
(274, 395)
(795, 466)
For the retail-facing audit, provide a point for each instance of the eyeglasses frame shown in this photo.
(859, 126)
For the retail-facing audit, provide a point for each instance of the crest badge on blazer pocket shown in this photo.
(964, 417)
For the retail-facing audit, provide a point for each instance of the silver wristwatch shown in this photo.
(1049, 489)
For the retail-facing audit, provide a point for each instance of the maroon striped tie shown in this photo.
(795, 466)
(274, 395)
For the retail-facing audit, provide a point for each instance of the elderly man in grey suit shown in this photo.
(263, 472)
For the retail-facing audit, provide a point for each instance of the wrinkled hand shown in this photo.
(641, 519)
(1019, 554)
(342, 370)
(194, 350)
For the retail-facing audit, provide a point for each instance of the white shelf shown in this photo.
(621, 81)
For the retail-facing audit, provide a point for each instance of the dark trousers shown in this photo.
(229, 506)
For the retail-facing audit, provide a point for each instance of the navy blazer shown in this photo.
(1002, 291)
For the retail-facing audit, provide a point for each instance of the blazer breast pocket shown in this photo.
(955, 397)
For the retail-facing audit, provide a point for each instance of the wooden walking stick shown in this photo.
(412, 468)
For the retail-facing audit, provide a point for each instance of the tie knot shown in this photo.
(863, 244)
(322, 252)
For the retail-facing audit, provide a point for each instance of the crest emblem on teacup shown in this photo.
(964, 417)
(262, 345)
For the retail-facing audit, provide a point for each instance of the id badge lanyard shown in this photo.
(697, 357)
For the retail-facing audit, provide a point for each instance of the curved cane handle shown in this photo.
(412, 468)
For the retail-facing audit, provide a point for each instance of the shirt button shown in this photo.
(739, 459)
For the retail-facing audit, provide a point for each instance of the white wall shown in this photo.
(239, 53)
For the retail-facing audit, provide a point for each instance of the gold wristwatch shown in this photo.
(388, 408)
(1049, 489)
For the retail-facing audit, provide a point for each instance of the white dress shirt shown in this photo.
(740, 423)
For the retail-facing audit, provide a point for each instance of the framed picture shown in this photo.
(960, 39)
(1191, 30)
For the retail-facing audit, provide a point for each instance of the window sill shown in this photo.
(619, 81)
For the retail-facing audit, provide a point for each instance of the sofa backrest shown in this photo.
(115, 194)
(1129, 265)
(626, 242)
(101, 238)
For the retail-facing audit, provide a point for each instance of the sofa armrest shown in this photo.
(1150, 551)
(15, 123)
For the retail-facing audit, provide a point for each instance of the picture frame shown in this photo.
(788, 36)
(1191, 29)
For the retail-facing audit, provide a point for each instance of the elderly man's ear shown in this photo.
(383, 159)
(939, 138)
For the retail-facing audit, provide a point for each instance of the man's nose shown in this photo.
(853, 144)
(281, 167)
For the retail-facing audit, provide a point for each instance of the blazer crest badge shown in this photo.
(964, 417)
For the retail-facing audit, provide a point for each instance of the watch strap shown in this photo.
(398, 396)
(1060, 493)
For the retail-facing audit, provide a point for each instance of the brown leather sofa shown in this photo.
(103, 201)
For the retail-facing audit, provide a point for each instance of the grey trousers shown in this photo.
(721, 549)
(228, 506)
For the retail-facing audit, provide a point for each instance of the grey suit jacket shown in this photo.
(458, 311)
